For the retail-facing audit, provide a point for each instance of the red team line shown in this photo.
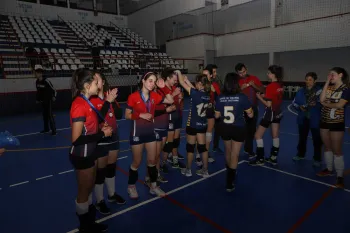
(155, 112)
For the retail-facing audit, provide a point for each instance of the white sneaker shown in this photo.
(186, 172)
(132, 191)
(202, 172)
(157, 191)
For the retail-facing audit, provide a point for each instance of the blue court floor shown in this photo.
(38, 188)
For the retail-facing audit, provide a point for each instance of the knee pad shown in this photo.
(208, 137)
(176, 143)
(201, 148)
(168, 147)
(110, 170)
(100, 175)
(133, 176)
(190, 148)
(153, 173)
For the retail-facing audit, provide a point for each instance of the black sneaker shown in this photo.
(272, 160)
(99, 228)
(180, 156)
(164, 169)
(340, 182)
(257, 162)
(162, 179)
(116, 199)
(230, 187)
(102, 208)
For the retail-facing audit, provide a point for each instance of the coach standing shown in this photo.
(250, 85)
(45, 95)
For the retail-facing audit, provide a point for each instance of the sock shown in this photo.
(82, 208)
(110, 183)
(276, 142)
(230, 176)
(260, 143)
(90, 199)
(339, 165)
(99, 192)
(328, 157)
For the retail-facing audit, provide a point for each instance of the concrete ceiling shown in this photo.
(128, 7)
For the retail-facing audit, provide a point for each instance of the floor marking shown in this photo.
(60, 173)
(346, 143)
(304, 178)
(44, 177)
(13, 185)
(156, 198)
(311, 210)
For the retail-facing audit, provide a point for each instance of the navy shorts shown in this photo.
(160, 134)
(82, 163)
(231, 132)
(137, 140)
(271, 117)
(334, 127)
(178, 123)
(193, 131)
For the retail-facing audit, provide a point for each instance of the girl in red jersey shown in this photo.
(334, 98)
(107, 149)
(140, 109)
(161, 125)
(85, 135)
(272, 116)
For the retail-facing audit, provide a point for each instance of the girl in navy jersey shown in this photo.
(197, 121)
(141, 109)
(230, 107)
(85, 135)
(108, 148)
(272, 99)
(334, 97)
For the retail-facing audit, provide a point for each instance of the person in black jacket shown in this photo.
(45, 95)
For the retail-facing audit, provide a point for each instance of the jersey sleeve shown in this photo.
(78, 113)
(130, 103)
(257, 81)
(345, 94)
(269, 92)
(217, 104)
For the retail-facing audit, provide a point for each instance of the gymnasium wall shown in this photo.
(143, 21)
(13, 7)
(306, 35)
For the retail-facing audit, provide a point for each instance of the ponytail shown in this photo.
(79, 78)
(202, 78)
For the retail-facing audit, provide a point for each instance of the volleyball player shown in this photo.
(161, 125)
(308, 106)
(250, 85)
(107, 149)
(272, 100)
(230, 106)
(140, 109)
(335, 95)
(85, 135)
(197, 121)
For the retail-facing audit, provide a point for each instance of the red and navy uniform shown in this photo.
(109, 112)
(161, 118)
(197, 120)
(273, 114)
(142, 131)
(213, 95)
(250, 92)
(179, 108)
(82, 151)
(232, 122)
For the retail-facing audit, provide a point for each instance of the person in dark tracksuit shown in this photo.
(45, 95)
(308, 106)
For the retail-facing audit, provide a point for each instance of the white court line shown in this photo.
(13, 185)
(66, 172)
(156, 198)
(302, 177)
(44, 177)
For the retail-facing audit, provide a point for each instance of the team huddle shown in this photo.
(156, 114)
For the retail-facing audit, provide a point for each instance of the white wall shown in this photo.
(143, 21)
(13, 7)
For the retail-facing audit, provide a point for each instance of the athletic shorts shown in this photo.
(334, 127)
(270, 117)
(81, 163)
(137, 140)
(210, 111)
(231, 132)
(194, 131)
(160, 134)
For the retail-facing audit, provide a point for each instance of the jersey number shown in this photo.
(202, 109)
(228, 114)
